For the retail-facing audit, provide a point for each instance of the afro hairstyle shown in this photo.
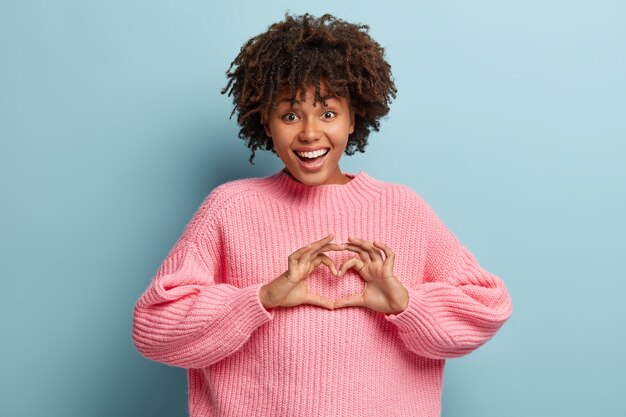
(303, 50)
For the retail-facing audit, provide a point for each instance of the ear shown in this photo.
(351, 122)
(268, 132)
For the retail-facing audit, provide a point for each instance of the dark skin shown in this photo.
(302, 50)
(328, 54)
(383, 291)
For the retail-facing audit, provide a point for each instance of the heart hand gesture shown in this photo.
(383, 291)
(290, 288)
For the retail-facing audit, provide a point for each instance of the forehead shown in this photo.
(284, 95)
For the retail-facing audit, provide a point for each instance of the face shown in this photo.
(310, 139)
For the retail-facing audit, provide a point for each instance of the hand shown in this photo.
(383, 291)
(290, 288)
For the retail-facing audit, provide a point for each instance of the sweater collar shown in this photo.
(359, 191)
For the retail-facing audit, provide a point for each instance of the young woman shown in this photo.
(314, 292)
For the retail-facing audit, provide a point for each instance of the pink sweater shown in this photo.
(202, 309)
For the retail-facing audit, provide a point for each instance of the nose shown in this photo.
(310, 131)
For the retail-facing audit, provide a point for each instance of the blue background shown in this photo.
(510, 121)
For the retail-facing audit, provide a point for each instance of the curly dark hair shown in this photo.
(304, 50)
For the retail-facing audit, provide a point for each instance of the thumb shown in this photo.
(318, 300)
(356, 300)
(350, 263)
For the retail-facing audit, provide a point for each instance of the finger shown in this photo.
(312, 246)
(355, 263)
(373, 252)
(363, 254)
(350, 301)
(319, 301)
(326, 261)
(322, 242)
(306, 257)
(388, 252)
(331, 247)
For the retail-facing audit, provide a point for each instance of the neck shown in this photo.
(337, 178)
(360, 190)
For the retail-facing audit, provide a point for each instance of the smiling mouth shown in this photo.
(315, 160)
(312, 156)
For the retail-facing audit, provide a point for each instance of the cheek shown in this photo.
(278, 139)
(340, 135)
(281, 147)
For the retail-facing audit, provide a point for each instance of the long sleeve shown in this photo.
(202, 309)
(185, 318)
(459, 306)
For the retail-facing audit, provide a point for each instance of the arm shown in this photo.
(184, 318)
(458, 307)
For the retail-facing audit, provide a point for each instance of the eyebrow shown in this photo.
(293, 101)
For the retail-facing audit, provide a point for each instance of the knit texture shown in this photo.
(202, 309)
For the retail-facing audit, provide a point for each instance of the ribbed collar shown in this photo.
(359, 191)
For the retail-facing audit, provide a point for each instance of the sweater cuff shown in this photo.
(410, 318)
(248, 307)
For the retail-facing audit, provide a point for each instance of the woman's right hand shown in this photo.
(290, 288)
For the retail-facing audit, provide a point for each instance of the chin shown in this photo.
(309, 179)
(319, 182)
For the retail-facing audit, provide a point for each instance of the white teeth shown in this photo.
(313, 154)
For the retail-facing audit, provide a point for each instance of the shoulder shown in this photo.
(224, 199)
(401, 194)
(232, 194)
(408, 205)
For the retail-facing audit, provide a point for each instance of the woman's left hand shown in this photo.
(383, 290)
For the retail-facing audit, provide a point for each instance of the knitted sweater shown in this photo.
(202, 309)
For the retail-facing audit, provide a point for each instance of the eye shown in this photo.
(329, 115)
(290, 117)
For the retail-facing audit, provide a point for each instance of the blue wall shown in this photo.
(510, 121)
